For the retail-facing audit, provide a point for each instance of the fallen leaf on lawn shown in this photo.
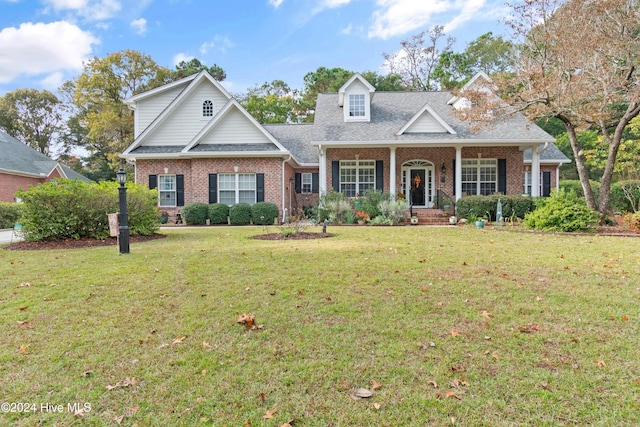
(203, 372)
(363, 392)
(497, 357)
(375, 384)
(545, 386)
(23, 348)
(440, 304)
(452, 394)
(119, 419)
(464, 262)
(24, 285)
(457, 383)
(206, 345)
(600, 363)
(486, 314)
(433, 383)
(377, 405)
(78, 413)
(625, 318)
(538, 298)
(163, 345)
(178, 340)
(529, 328)
(24, 308)
(269, 414)
(87, 373)
(455, 333)
(249, 321)
(127, 382)
(263, 397)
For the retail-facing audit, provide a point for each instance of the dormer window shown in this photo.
(356, 105)
(207, 108)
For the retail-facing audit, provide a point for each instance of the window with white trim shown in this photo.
(207, 108)
(237, 188)
(528, 183)
(479, 176)
(307, 182)
(357, 176)
(356, 105)
(166, 191)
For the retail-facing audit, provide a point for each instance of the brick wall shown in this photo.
(10, 184)
(196, 175)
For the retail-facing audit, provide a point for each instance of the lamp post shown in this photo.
(123, 229)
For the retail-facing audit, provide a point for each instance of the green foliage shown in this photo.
(9, 214)
(394, 210)
(381, 220)
(218, 213)
(264, 213)
(632, 220)
(240, 214)
(193, 66)
(334, 207)
(195, 213)
(625, 196)
(562, 211)
(484, 206)
(371, 202)
(65, 209)
(575, 186)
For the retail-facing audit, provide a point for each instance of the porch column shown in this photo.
(458, 173)
(322, 173)
(535, 172)
(558, 178)
(392, 172)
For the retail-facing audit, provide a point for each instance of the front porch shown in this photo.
(432, 216)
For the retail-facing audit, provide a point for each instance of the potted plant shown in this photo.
(446, 203)
(362, 217)
(414, 220)
(163, 217)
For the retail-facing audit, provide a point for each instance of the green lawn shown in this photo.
(456, 326)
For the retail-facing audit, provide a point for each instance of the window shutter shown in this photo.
(213, 188)
(453, 181)
(298, 183)
(502, 176)
(315, 183)
(380, 175)
(546, 184)
(153, 181)
(335, 175)
(259, 187)
(180, 190)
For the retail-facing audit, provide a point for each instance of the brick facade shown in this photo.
(10, 184)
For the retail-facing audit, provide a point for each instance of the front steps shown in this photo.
(428, 216)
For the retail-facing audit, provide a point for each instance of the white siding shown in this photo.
(148, 109)
(186, 119)
(426, 124)
(356, 87)
(235, 128)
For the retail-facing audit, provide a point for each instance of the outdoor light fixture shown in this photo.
(123, 229)
(444, 169)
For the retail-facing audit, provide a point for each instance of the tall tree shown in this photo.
(419, 57)
(272, 102)
(193, 66)
(32, 116)
(99, 94)
(577, 62)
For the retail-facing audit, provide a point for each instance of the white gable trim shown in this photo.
(134, 99)
(163, 117)
(433, 114)
(470, 83)
(232, 104)
(344, 87)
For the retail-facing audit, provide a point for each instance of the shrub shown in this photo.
(195, 213)
(240, 214)
(395, 210)
(632, 220)
(483, 206)
(9, 214)
(371, 202)
(562, 211)
(218, 213)
(264, 213)
(65, 209)
(334, 207)
(625, 196)
(574, 186)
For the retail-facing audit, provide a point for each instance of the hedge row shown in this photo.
(486, 206)
(263, 213)
(9, 214)
(618, 200)
(64, 209)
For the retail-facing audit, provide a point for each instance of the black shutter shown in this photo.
(453, 181)
(213, 188)
(259, 187)
(379, 175)
(153, 181)
(315, 183)
(180, 190)
(502, 176)
(298, 183)
(546, 184)
(335, 175)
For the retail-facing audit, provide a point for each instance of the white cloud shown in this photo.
(397, 17)
(92, 10)
(182, 57)
(139, 25)
(347, 30)
(205, 47)
(53, 81)
(276, 3)
(470, 10)
(34, 49)
(221, 43)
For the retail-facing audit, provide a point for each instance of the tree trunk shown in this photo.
(583, 173)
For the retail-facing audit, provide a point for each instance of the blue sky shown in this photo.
(44, 42)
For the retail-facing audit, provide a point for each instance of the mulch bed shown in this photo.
(298, 236)
(84, 242)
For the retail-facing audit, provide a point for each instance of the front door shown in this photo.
(417, 195)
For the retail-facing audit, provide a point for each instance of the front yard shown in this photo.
(444, 326)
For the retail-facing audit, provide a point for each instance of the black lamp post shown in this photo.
(123, 217)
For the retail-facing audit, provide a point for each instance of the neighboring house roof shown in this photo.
(20, 159)
(551, 154)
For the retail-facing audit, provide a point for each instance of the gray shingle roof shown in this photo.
(296, 139)
(551, 154)
(390, 111)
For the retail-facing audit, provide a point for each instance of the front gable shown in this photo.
(426, 121)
